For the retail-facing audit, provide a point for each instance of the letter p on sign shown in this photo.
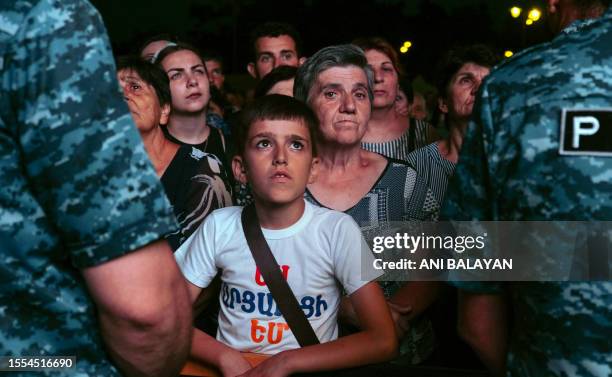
(586, 132)
(584, 126)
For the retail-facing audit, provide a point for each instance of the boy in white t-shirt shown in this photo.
(316, 248)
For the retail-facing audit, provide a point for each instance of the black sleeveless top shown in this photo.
(196, 182)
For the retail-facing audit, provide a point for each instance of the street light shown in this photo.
(515, 12)
(528, 22)
(508, 53)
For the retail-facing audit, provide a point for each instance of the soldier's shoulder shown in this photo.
(544, 55)
(13, 13)
(42, 16)
(523, 60)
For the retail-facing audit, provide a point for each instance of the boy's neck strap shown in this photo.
(271, 273)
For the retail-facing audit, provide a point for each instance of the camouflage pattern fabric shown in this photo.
(77, 187)
(510, 168)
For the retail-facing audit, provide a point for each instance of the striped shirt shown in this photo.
(433, 169)
(397, 196)
(415, 137)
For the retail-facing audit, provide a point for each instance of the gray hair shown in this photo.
(326, 58)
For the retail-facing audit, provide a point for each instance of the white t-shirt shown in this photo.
(323, 248)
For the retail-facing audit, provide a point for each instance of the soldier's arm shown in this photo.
(482, 324)
(88, 171)
(144, 310)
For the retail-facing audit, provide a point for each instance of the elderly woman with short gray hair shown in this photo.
(336, 82)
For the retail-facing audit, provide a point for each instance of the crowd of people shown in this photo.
(128, 181)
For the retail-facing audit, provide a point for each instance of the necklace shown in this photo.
(201, 146)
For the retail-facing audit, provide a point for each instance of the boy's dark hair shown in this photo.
(278, 74)
(275, 107)
(150, 74)
(275, 30)
(171, 49)
(457, 57)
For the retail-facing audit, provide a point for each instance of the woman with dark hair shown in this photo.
(194, 183)
(459, 76)
(188, 123)
(389, 133)
(190, 89)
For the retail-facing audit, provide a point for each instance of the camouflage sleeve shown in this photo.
(469, 194)
(81, 153)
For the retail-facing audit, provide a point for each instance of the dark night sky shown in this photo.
(224, 26)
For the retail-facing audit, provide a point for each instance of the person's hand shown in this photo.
(233, 364)
(401, 319)
(275, 366)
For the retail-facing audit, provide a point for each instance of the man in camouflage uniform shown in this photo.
(514, 165)
(81, 210)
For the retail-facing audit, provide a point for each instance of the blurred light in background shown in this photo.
(534, 14)
(405, 47)
(515, 12)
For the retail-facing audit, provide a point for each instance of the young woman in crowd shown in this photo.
(389, 133)
(189, 124)
(194, 182)
(190, 88)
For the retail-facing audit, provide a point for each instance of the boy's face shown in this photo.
(277, 161)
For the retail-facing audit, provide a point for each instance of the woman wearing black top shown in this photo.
(195, 181)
